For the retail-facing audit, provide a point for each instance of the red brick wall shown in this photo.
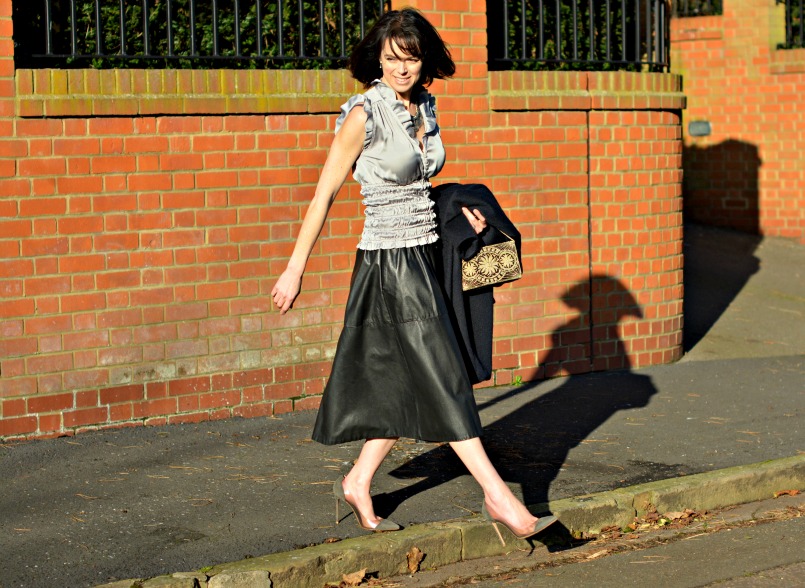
(137, 252)
(749, 174)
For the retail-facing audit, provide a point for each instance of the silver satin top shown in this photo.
(393, 169)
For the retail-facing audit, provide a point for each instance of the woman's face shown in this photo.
(400, 69)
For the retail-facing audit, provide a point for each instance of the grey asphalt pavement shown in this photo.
(141, 502)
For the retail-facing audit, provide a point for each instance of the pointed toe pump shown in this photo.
(541, 524)
(382, 526)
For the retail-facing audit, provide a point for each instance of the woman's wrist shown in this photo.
(295, 269)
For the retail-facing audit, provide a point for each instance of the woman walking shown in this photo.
(398, 370)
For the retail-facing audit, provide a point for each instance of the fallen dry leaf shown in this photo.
(676, 515)
(598, 554)
(353, 579)
(786, 493)
(415, 557)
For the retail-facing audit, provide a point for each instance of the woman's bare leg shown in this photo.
(501, 503)
(358, 481)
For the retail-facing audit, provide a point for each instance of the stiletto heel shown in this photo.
(383, 525)
(541, 524)
(495, 526)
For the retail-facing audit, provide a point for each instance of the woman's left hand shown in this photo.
(475, 218)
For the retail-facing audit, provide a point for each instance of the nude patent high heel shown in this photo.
(383, 525)
(541, 524)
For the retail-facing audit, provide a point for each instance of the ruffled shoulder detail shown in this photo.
(347, 107)
(380, 90)
(427, 103)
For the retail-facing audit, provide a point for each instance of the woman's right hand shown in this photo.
(286, 290)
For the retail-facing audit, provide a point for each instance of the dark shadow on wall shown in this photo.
(530, 444)
(720, 185)
(719, 189)
(718, 263)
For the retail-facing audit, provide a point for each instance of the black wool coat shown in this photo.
(472, 311)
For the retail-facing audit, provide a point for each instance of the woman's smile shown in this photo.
(400, 69)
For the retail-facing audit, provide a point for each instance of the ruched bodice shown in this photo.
(398, 369)
(393, 169)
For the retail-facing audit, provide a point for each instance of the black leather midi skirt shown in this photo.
(397, 370)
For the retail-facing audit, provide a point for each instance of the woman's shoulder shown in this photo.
(351, 115)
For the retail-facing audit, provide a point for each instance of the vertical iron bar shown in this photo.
(301, 5)
(236, 6)
(280, 47)
(575, 30)
(193, 51)
(801, 27)
(169, 15)
(73, 33)
(541, 45)
(122, 27)
(146, 41)
(666, 39)
(657, 33)
(342, 30)
(49, 25)
(363, 20)
(623, 30)
(98, 29)
(215, 28)
(558, 30)
(322, 49)
(637, 32)
(523, 40)
(505, 24)
(259, 15)
(648, 31)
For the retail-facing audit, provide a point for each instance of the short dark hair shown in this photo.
(413, 34)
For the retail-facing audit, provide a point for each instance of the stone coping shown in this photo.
(788, 61)
(137, 92)
(148, 92)
(618, 90)
(462, 539)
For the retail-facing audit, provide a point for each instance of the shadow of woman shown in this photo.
(530, 444)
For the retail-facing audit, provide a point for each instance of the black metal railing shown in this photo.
(794, 30)
(190, 33)
(686, 8)
(579, 35)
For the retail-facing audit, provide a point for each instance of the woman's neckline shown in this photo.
(390, 94)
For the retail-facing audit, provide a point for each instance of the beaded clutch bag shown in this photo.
(492, 265)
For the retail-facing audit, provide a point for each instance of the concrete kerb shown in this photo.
(458, 540)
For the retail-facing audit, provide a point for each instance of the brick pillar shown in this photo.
(6, 67)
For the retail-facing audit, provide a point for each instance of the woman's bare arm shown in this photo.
(344, 151)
